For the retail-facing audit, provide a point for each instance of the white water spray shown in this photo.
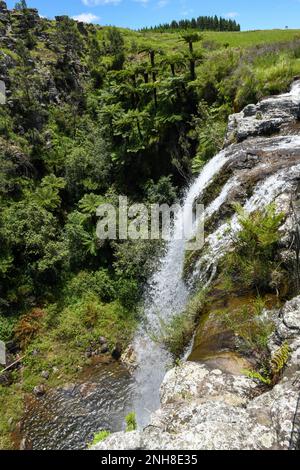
(167, 295)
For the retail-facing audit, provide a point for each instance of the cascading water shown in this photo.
(167, 295)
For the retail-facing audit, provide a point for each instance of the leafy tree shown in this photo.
(21, 5)
(191, 39)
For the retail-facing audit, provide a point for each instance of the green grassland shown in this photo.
(171, 41)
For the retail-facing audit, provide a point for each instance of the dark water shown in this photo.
(67, 418)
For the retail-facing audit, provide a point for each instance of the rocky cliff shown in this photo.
(208, 406)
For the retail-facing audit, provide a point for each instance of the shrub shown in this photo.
(28, 326)
(252, 261)
(273, 369)
(98, 282)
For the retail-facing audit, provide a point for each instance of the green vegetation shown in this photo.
(131, 423)
(250, 325)
(177, 334)
(202, 23)
(250, 278)
(93, 113)
(252, 262)
(99, 437)
(273, 368)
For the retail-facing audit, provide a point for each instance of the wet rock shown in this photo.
(39, 390)
(87, 389)
(117, 352)
(23, 444)
(69, 388)
(129, 358)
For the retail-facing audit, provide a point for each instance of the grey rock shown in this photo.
(102, 340)
(45, 374)
(265, 118)
(205, 418)
(104, 349)
(121, 441)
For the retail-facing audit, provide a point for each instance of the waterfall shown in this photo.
(166, 296)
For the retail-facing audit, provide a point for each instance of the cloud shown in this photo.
(86, 18)
(142, 2)
(95, 3)
(232, 14)
(162, 3)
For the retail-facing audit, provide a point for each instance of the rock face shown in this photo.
(265, 118)
(205, 409)
(261, 167)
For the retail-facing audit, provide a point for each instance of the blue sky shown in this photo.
(254, 14)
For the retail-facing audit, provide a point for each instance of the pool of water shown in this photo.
(68, 417)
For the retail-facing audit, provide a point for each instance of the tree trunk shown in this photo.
(192, 69)
(152, 58)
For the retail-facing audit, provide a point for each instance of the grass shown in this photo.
(99, 437)
(131, 424)
(11, 405)
(171, 41)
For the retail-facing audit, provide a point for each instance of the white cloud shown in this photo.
(142, 2)
(232, 14)
(86, 18)
(162, 3)
(95, 3)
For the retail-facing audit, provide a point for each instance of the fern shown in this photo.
(252, 374)
(280, 358)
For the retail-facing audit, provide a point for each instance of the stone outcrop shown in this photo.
(266, 118)
(204, 408)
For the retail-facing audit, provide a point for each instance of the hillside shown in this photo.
(92, 113)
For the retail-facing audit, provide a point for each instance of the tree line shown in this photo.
(203, 23)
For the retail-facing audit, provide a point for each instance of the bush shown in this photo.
(28, 326)
(98, 283)
(252, 262)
